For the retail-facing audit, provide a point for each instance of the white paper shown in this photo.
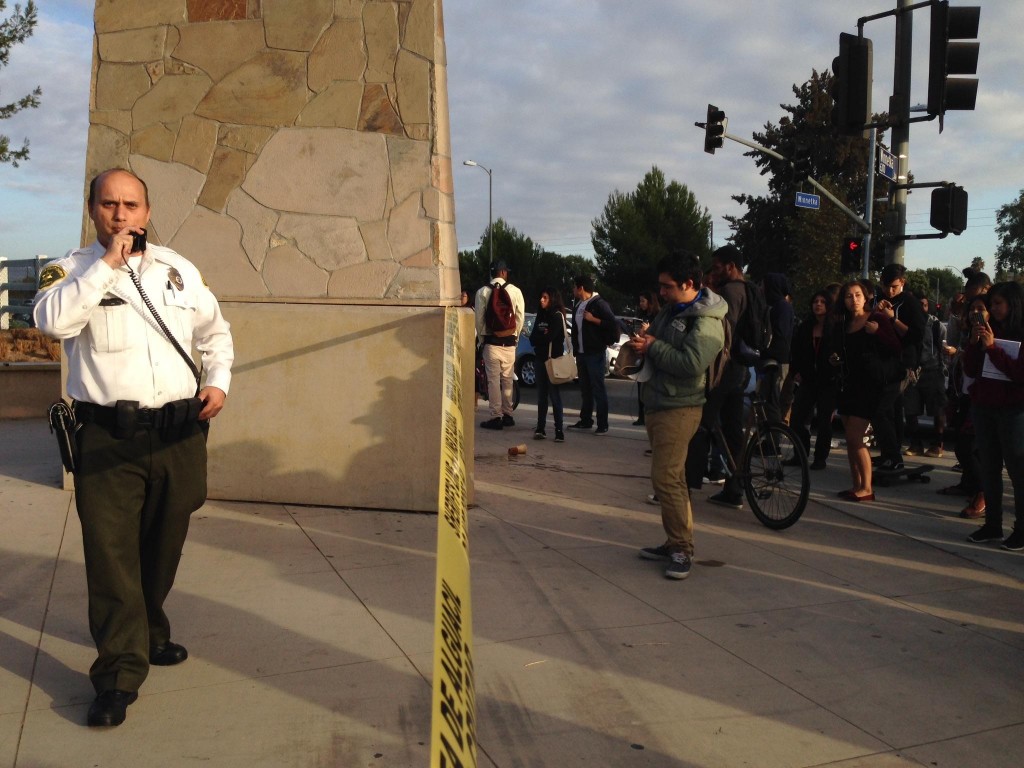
(989, 370)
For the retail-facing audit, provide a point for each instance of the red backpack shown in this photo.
(500, 314)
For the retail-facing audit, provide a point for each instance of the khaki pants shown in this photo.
(670, 433)
(499, 363)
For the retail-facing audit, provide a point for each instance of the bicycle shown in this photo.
(773, 468)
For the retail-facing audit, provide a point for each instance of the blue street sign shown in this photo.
(807, 200)
(887, 164)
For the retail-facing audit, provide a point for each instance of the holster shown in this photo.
(177, 415)
(62, 424)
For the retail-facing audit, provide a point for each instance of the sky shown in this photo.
(567, 101)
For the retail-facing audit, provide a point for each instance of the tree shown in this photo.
(636, 230)
(1010, 228)
(939, 284)
(776, 236)
(13, 30)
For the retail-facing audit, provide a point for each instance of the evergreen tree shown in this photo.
(1010, 228)
(636, 230)
(15, 29)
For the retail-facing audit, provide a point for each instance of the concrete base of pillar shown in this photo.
(336, 405)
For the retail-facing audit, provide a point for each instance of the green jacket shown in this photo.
(687, 342)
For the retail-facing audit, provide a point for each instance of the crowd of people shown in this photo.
(875, 356)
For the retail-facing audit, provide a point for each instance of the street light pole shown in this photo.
(490, 203)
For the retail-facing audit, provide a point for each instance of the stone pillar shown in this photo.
(297, 151)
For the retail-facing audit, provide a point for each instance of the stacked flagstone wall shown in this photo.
(297, 151)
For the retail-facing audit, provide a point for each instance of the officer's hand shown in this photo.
(213, 400)
(120, 247)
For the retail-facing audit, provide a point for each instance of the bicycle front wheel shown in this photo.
(777, 480)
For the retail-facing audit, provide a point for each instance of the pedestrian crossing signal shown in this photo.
(851, 256)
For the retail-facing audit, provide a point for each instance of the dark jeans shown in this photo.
(965, 445)
(820, 400)
(768, 388)
(888, 423)
(592, 367)
(724, 405)
(1000, 435)
(545, 390)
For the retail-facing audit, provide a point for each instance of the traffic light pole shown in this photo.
(899, 109)
(869, 204)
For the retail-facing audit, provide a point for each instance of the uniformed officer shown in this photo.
(141, 440)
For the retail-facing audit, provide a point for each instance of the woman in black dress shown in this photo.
(866, 353)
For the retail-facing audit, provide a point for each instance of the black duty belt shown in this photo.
(106, 415)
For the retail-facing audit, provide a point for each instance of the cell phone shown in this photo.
(977, 317)
(139, 242)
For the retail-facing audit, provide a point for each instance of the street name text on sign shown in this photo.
(807, 200)
(887, 164)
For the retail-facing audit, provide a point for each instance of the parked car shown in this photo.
(526, 358)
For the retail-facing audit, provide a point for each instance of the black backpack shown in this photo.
(754, 329)
(500, 314)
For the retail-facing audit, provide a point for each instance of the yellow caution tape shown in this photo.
(453, 708)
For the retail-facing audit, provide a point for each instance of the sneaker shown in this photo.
(539, 434)
(559, 436)
(957, 467)
(494, 423)
(656, 553)
(1014, 542)
(582, 425)
(793, 461)
(649, 452)
(976, 509)
(935, 452)
(652, 498)
(679, 568)
(601, 431)
(891, 466)
(638, 423)
(914, 450)
(507, 421)
(714, 480)
(987, 533)
(725, 500)
(819, 464)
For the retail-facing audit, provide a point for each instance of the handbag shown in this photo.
(560, 370)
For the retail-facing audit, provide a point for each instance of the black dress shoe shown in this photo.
(110, 708)
(168, 654)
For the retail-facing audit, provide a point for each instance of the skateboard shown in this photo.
(916, 472)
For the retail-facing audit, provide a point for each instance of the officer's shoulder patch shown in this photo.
(51, 275)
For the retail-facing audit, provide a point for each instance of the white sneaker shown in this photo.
(652, 498)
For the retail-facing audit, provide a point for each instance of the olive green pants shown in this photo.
(134, 498)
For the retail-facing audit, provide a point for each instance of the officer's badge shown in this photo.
(51, 275)
(175, 277)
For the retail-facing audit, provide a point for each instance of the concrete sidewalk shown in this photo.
(866, 636)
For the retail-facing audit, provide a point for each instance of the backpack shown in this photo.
(754, 329)
(717, 368)
(500, 314)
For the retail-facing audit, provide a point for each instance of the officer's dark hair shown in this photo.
(978, 280)
(94, 184)
(729, 254)
(681, 266)
(586, 282)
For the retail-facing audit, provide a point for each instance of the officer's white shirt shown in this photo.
(118, 352)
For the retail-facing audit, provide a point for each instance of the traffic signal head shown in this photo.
(714, 129)
(947, 58)
(949, 209)
(801, 169)
(851, 256)
(851, 84)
